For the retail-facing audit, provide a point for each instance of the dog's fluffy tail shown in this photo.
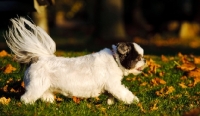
(28, 41)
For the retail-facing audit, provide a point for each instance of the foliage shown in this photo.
(170, 85)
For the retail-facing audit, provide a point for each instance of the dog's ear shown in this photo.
(123, 48)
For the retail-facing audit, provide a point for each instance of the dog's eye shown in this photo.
(139, 58)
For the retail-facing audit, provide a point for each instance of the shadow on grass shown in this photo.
(12, 90)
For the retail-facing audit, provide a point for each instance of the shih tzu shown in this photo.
(84, 77)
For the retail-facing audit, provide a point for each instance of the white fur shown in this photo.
(86, 76)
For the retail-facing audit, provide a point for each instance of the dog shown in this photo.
(84, 76)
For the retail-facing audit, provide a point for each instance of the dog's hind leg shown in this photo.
(121, 92)
(36, 84)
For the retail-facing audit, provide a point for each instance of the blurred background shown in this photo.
(160, 26)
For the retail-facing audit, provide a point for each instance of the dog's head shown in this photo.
(130, 57)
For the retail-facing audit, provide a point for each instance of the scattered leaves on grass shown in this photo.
(165, 91)
(9, 69)
(5, 101)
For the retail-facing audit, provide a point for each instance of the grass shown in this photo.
(164, 96)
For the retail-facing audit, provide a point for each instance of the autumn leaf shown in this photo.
(76, 100)
(5, 101)
(182, 85)
(164, 58)
(9, 68)
(141, 107)
(195, 74)
(154, 107)
(143, 84)
(3, 53)
(165, 91)
(58, 99)
(157, 81)
(187, 66)
(193, 112)
(197, 60)
(152, 66)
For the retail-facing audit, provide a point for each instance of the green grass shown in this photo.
(176, 103)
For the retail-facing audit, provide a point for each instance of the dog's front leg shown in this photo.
(122, 93)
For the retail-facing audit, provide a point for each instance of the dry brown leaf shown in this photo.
(22, 84)
(154, 107)
(164, 58)
(9, 68)
(143, 84)
(58, 99)
(193, 112)
(76, 100)
(182, 85)
(165, 91)
(157, 81)
(197, 60)
(5, 101)
(5, 88)
(195, 74)
(187, 66)
(161, 74)
(3, 53)
(180, 55)
(152, 66)
(141, 107)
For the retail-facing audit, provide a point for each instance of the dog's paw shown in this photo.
(110, 101)
(25, 100)
(48, 97)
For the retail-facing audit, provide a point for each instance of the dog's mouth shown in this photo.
(140, 68)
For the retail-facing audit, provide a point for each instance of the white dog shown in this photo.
(84, 77)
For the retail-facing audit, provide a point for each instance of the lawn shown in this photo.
(169, 86)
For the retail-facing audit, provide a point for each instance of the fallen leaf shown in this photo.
(195, 74)
(152, 66)
(3, 53)
(165, 91)
(157, 81)
(9, 68)
(5, 88)
(197, 60)
(5, 101)
(164, 58)
(141, 107)
(193, 112)
(154, 107)
(22, 84)
(58, 99)
(187, 66)
(182, 85)
(161, 74)
(76, 100)
(143, 84)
